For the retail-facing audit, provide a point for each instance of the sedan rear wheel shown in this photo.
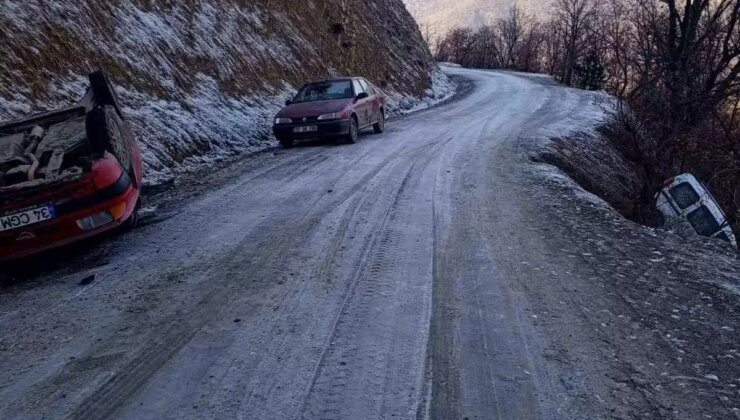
(353, 131)
(287, 144)
(379, 126)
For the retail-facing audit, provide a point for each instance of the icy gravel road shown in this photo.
(396, 278)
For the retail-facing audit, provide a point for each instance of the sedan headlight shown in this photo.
(332, 116)
(282, 121)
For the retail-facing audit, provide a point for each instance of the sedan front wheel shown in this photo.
(353, 131)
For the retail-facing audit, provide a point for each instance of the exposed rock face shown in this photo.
(203, 78)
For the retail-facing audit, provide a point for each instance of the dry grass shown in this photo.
(377, 39)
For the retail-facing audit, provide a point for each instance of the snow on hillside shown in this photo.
(202, 80)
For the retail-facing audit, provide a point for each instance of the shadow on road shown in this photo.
(86, 254)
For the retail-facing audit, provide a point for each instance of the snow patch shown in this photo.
(595, 108)
(557, 177)
(441, 90)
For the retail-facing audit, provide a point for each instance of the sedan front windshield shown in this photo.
(324, 91)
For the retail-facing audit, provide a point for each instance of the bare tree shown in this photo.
(511, 30)
(513, 42)
(531, 52)
(614, 30)
(691, 59)
(456, 46)
(488, 49)
(572, 19)
(430, 37)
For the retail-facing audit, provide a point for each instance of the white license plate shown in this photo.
(306, 129)
(26, 217)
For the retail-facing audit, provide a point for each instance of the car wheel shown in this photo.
(353, 131)
(379, 126)
(287, 144)
(105, 131)
(103, 90)
(117, 143)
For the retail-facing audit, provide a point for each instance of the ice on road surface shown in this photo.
(430, 271)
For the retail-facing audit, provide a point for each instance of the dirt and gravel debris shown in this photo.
(661, 312)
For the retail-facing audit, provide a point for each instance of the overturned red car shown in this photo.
(68, 174)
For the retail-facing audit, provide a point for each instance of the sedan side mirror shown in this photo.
(288, 102)
(362, 95)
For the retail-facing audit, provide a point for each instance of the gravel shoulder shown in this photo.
(618, 320)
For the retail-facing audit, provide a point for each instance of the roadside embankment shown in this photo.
(201, 81)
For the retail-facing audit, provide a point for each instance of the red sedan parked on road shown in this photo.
(68, 174)
(331, 108)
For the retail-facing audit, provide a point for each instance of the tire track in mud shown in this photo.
(359, 271)
(118, 389)
(115, 389)
(132, 374)
(443, 393)
(366, 196)
(184, 325)
(371, 288)
(363, 186)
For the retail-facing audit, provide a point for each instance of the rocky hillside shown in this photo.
(202, 79)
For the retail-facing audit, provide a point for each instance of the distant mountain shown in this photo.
(441, 15)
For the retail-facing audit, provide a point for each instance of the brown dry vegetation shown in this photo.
(377, 39)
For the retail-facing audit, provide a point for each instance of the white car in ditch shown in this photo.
(688, 207)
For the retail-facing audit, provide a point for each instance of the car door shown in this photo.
(362, 106)
(373, 102)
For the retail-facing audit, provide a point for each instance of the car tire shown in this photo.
(379, 126)
(104, 128)
(354, 131)
(287, 144)
(103, 90)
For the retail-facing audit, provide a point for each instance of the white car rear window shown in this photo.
(684, 195)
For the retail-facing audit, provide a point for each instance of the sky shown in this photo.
(437, 16)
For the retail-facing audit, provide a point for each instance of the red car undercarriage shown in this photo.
(67, 175)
